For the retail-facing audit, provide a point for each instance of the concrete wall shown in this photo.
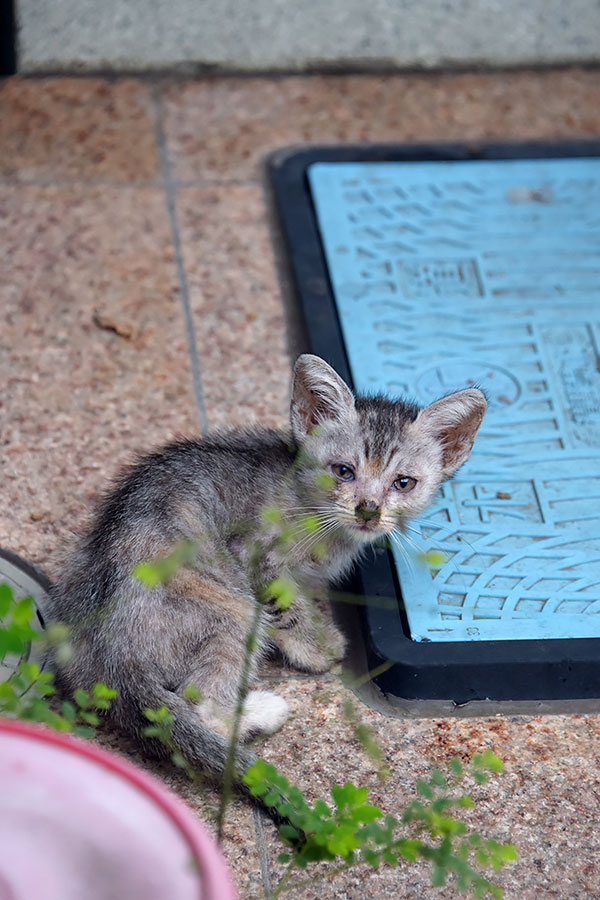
(191, 35)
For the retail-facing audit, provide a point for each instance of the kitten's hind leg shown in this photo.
(216, 671)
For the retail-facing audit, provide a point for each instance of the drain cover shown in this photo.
(425, 270)
(25, 581)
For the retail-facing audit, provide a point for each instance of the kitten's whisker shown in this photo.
(305, 510)
(299, 519)
(307, 549)
(406, 527)
(304, 547)
(308, 539)
(409, 541)
(403, 552)
(447, 530)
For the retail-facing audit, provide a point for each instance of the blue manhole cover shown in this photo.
(485, 272)
(419, 271)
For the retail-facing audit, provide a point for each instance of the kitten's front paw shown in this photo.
(310, 656)
(336, 644)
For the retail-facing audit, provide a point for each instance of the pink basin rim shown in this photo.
(215, 878)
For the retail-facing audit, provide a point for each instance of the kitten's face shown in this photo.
(371, 464)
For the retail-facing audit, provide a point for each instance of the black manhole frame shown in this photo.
(459, 671)
(8, 38)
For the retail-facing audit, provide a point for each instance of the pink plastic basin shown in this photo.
(78, 823)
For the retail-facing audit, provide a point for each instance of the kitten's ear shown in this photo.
(454, 421)
(318, 394)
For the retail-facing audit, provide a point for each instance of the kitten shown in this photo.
(361, 467)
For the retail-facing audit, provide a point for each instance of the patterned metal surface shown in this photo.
(488, 273)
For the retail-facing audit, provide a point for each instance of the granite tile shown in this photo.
(546, 801)
(221, 129)
(70, 128)
(93, 353)
(236, 301)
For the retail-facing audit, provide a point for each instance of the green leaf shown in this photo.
(509, 853)
(90, 718)
(148, 573)
(438, 876)
(325, 481)
(7, 690)
(284, 857)
(438, 779)
(424, 789)
(322, 809)
(68, 711)
(367, 813)
(488, 760)
(160, 716)
(23, 611)
(152, 731)
(282, 591)
(6, 599)
(82, 731)
(82, 698)
(29, 670)
(162, 570)
(289, 832)
(456, 766)
(10, 642)
(272, 515)
(311, 524)
(178, 759)
(192, 693)
(373, 859)
(103, 692)
(435, 559)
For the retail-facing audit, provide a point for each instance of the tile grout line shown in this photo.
(170, 188)
(175, 183)
(263, 854)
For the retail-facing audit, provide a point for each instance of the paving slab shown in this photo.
(93, 352)
(74, 129)
(221, 130)
(236, 304)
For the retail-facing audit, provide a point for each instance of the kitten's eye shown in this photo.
(342, 472)
(404, 483)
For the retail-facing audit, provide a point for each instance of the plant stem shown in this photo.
(318, 876)
(280, 887)
(368, 676)
(229, 769)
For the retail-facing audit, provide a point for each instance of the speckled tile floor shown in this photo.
(140, 299)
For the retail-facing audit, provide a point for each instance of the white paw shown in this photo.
(264, 713)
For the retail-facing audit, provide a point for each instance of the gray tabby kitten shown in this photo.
(385, 460)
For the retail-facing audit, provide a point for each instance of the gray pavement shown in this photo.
(232, 35)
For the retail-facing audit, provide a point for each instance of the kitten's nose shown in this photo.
(367, 510)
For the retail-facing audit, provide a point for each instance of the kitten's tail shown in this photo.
(206, 751)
